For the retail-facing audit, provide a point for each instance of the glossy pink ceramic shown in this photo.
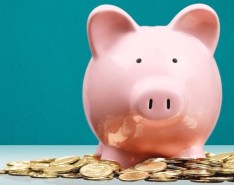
(152, 90)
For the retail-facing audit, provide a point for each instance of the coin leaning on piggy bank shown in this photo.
(213, 168)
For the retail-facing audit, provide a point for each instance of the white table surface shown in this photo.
(19, 153)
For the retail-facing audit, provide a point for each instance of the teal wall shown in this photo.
(43, 56)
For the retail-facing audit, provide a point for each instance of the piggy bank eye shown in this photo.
(174, 60)
(138, 60)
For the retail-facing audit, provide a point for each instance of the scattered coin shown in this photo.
(19, 163)
(167, 174)
(115, 165)
(226, 171)
(80, 163)
(19, 173)
(44, 175)
(205, 181)
(171, 166)
(173, 161)
(64, 160)
(126, 170)
(134, 176)
(16, 168)
(215, 169)
(217, 178)
(180, 159)
(96, 170)
(39, 166)
(59, 169)
(93, 156)
(201, 173)
(229, 164)
(46, 160)
(110, 177)
(197, 166)
(151, 166)
(72, 175)
(223, 156)
(158, 159)
(2, 171)
(162, 179)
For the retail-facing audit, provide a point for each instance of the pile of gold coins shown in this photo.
(213, 168)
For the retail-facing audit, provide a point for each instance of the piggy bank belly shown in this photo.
(135, 134)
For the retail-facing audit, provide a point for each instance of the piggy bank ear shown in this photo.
(200, 21)
(106, 25)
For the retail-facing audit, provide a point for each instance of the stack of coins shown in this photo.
(213, 168)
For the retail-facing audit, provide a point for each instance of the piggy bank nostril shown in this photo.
(168, 103)
(158, 103)
(150, 104)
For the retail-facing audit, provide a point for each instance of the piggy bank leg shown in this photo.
(193, 152)
(99, 149)
(125, 159)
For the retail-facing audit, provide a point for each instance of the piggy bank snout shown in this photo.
(159, 103)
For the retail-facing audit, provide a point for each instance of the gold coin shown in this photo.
(46, 160)
(126, 170)
(43, 175)
(218, 178)
(19, 163)
(211, 163)
(208, 155)
(167, 173)
(71, 175)
(59, 169)
(115, 165)
(197, 173)
(110, 177)
(223, 156)
(15, 168)
(39, 166)
(96, 170)
(201, 180)
(175, 167)
(226, 171)
(229, 164)
(92, 156)
(230, 157)
(197, 166)
(162, 175)
(215, 169)
(65, 160)
(80, 163)
(158, 159)
(173, 161)
(134, 176)
(151, 166)
(2, 171)
(162, 179)
(211, 159)
(181, 158)
(19, 172)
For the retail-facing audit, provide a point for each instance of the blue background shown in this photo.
(43, 56)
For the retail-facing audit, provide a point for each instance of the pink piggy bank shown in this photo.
(152, 91)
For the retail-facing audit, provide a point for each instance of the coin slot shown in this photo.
(168, 104)
(150, 104)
